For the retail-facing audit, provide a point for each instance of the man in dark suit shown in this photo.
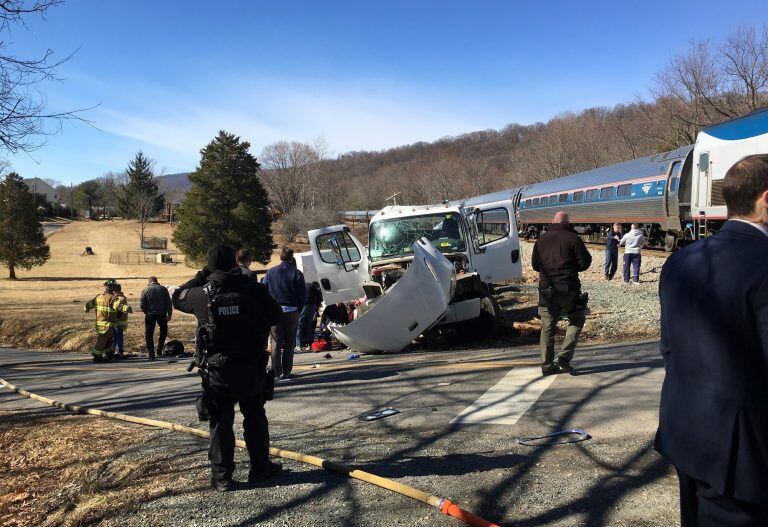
(713, 422)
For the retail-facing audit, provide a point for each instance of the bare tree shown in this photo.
(710, 84)
(292, 175)
(24, 118)
(744, 59)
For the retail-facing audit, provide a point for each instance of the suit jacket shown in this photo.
(713, 420)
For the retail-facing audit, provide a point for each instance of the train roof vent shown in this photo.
(716, 198)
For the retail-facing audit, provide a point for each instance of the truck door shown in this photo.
(495, 251)
(341, 261)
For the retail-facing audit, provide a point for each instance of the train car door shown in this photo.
(495, 250)
(673, 199)
(703, 165)
(341, 261)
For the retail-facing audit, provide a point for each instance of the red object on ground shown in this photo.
(320, 345)
(450, 509)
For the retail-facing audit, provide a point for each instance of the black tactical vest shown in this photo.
(231, 328)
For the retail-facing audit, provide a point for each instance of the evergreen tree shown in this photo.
(140, 198)
(226, 203)
(22, 242)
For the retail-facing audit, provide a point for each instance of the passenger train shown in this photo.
(675, 196)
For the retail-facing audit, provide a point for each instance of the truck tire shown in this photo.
(487, 323)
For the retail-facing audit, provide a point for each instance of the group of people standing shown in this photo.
(112, 310)
(633, 243)
(111, 321)
(299, 301)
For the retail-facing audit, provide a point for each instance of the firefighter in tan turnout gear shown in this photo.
(106, 305)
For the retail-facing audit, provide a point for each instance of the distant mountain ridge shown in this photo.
(174, 186)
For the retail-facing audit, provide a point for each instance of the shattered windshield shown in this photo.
(394, 238)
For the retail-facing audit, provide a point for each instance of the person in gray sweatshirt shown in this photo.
(633, 243)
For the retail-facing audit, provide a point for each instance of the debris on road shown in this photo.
(582, 435)
(379, 414)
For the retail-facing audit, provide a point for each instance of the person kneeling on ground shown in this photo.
(334, 314)
(559, 255)
(241, 314)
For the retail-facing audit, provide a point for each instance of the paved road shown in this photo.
(51, 227)
(461, 412)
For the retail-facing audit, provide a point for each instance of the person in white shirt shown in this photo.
(633, 243)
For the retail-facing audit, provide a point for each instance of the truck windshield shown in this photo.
(394, 238)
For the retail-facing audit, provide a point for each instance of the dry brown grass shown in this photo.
(65, 470)
(44, 308)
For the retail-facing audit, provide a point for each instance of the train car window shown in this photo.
(578, 197)
(563, 198)
(493, 225)
(674, 183)
(552, 200)
(606, 192)
(704, 162)
(535, 202)
(623, 191)
(676, 166)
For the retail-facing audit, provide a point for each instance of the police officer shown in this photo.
(234, 313)
(559, 256)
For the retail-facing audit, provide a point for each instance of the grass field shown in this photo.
(44, 307)
(68, 470)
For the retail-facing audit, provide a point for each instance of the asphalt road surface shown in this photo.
(461, 412)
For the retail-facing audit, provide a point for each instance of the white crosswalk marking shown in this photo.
(509, 399)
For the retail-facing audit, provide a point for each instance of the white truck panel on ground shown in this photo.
(414, 304)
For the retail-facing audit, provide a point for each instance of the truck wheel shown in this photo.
(486, 324)
(490, 315)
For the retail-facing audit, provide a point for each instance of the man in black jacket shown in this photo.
(235, 313)
(157, 308)
(612, 251)
(559, 255)
(713, 419)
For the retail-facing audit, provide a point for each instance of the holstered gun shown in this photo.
(202, 350)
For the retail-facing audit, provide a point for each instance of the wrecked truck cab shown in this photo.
(387, 321)
(479, 243)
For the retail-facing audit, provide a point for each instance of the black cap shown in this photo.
(221, 258)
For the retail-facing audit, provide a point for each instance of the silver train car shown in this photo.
(675, 196)
(646, 191)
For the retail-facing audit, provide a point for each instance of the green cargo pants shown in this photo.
(550, 311)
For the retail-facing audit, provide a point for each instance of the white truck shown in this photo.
(424, 266)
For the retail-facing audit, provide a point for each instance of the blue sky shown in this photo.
(364, 75)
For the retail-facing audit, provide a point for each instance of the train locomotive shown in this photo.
(676, 196)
